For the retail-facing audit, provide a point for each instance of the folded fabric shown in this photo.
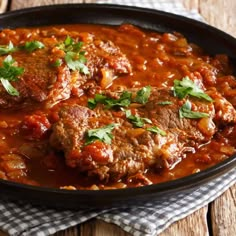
(18, 219)
(155, 216)
(172, 6)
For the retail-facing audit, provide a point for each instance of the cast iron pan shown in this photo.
(211, 39)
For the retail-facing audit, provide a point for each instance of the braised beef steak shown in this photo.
(42, 81)
(133, 149)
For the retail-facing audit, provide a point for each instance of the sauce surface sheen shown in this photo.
(39, 141)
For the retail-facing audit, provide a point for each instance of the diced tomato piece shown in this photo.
(35, 127)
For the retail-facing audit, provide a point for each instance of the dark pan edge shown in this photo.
(106, 198)
(81, 198)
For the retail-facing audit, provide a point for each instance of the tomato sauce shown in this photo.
(157, 60)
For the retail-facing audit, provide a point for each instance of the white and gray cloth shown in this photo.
(173, 6)
(150, 219)
(20, 219)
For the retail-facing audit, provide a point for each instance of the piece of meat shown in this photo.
(167, 116)
(42, 82)
(132, 150)
(105, 62)
(69, 130)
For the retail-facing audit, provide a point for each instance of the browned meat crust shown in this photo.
(134, 150)
(43, 82)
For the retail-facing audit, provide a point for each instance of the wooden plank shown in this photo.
(190, 4)
(73, 231)
(184, 227)
(3, 5)
(2, 233)
(18, 4)
(101, 228)
(193, 225)
(223, 214)
(220, 14)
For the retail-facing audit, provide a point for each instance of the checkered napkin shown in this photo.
(173, 6)
(149, 219)
(20, 219)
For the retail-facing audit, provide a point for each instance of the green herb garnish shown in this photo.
(156, 130)
(28, 46)
(57, 63)
(75, 58)
(32, 46)
(8, 73)
(163, 103)
(137, 121)
(75, 61)
(185, 87)
(186, 112)
(102, 134)
(143, 95)
(6, 49)
(9, 88)
(123, 101)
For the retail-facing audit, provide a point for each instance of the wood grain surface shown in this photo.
(3, 5)
(219, 217)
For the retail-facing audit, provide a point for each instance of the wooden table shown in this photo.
(219, 217)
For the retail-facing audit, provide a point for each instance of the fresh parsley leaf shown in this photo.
(92, 103)
(123, 101)
(9, 88)
(32, 46)
(99, 98)
(137, 121)
(102, 134)
(8, 73)
(68, 41)
(185, 112)
(156, 130)
(163, 103)
(185, 87)
(57, 63)
(76, 61)
(69, 45)
(6, 49)
(143, 95)
(75, 58)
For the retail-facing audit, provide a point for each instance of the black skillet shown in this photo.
(211, 39)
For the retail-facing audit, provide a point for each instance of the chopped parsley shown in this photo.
(28, 46)
(75, 57)
(76, 62)
(32, 46)
(57, 63)
(143, 95)
(9, 72)
(102, 134)
(185, 87)
(6, 49)
(186, 112)
(137, 121)
(156, 130)
(123, 101)
(163, 103)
